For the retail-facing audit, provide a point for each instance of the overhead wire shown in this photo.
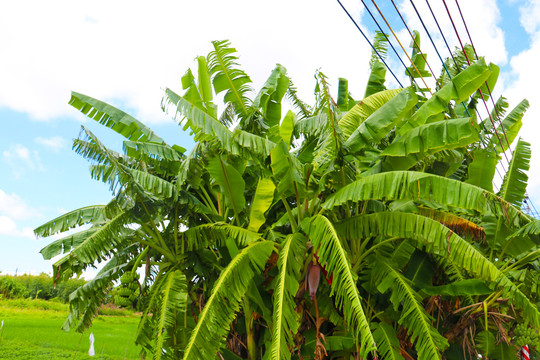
(480, 90)
(416, 43)
(402, 48)
(451, 54)
(457, 67)
(487, 85)
(439, 55)
(442, 34)
(369, 42)
(527, 199)
(389, 42)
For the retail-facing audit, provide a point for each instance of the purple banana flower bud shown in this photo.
(313, 276)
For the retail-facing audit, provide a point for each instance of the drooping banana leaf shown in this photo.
(91, 245)
(86, 215)
(255, 144)
(329, 248)
(387, 341)
(145, 151)
(227, 293)
(285, 318)
(172, 302)
(203, 125)
(395, 185)
(361, 111)
(271, 94)
(428, 342)
(228, 77)
(459, 89)
(482, 169)
(438, 240)
(428, 139)
(87, 299)
(113, 118)
(379, 123)
(216, 234)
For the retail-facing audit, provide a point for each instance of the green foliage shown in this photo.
(37, 287)
(381, 210)
(32, 331)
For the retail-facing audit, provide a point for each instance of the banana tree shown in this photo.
(337, 230)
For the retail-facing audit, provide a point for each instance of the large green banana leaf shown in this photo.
(361, 111)
(271, 94)
(428, 139)
(459, 89)
(395, 185)
(377, 125)
(227, 77)
(285, 318)
(482, 169)
(113, 118)
(213, 322)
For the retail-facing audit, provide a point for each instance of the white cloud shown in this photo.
(21, 159)
(13, 206)
(525, 85)
(8, 227)
(487, 36)
(530, 16)
(13, 212)
(127, 58)
(54, 143)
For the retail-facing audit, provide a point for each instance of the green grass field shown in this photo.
(32, 330)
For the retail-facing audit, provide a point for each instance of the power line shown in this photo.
(526, 200)
(369, 42)
(416, 43)
(487, 85)
(480, 90)
(402, 48)
(442, 34)
(390, 43)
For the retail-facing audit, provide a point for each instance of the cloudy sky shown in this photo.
(127, 52)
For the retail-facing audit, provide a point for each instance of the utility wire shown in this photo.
(439, 55)
(457, 68)
(402, 48)
(527, 199)
(370, 44)
(455, 62)
(416, 43)
(442, 34)
(480, 90)
(389, 42)
(487, 85)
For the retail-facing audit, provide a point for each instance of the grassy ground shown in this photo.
(32, 330)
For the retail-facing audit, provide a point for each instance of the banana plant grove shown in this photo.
(345, 229)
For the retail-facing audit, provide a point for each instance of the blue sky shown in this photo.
(127, 52)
